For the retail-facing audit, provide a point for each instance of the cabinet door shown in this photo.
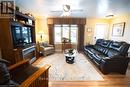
(29, 53)
(18, 55)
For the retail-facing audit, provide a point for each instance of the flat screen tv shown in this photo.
(21, 36)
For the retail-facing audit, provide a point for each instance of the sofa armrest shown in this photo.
(51, 45)
(47, 46)
(17, 65)
(42, 48)
(88, 46)
(116, 58)
(115, 63)
(38, 79)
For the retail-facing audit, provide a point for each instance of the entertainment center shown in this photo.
(17, 38)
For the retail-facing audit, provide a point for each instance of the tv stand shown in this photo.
(10, 50)
(25, 53)
(29, 53)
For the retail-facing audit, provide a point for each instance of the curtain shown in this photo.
(78, 21)
(81, 29)
(51, 33)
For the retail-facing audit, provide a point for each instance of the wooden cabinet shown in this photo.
(27, 53)
(12, 49)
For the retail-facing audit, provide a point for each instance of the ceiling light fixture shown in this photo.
(109, 16)
(66, 10)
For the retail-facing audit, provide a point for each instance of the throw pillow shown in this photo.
(45, 44)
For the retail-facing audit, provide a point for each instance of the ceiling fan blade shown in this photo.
(77, 10)
(56, 11)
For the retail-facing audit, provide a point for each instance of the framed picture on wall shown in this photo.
(118, 29)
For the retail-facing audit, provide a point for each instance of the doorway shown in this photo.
(101, 31)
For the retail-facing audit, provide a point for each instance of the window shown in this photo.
(57, 33)
(73, 33)
(66, 31)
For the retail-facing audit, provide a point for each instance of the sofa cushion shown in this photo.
(121, 47)
(48, 48)
(95, 51)
(98, 57)
(96, 47)
(105, 43)
(92, 50)
(45, 44)
(88, 50)
(116, 45)
(100, 49)
(99, 41)
(112, 52)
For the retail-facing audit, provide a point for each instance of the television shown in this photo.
(21, 36)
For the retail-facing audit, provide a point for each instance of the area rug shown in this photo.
(80, 70)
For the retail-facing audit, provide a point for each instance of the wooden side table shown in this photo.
(66, 45)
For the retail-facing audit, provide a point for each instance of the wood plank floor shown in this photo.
(110, 80)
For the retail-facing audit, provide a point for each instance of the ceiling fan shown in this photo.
(67, 10)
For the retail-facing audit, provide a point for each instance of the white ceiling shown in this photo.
(91, 8)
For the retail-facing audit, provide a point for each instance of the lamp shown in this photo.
(41, 33)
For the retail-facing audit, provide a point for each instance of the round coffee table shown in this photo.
(70, 56)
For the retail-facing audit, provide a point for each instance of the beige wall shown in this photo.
(41, 25)
(92, 21)
(119, 19)
(90, 24)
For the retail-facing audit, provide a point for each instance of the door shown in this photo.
(101, 32)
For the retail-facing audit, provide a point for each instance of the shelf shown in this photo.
(23, 16)
(19, 23)
(28, 25)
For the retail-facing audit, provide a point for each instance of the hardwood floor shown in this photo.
(110, 80)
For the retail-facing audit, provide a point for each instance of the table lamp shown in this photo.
(41, 33)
